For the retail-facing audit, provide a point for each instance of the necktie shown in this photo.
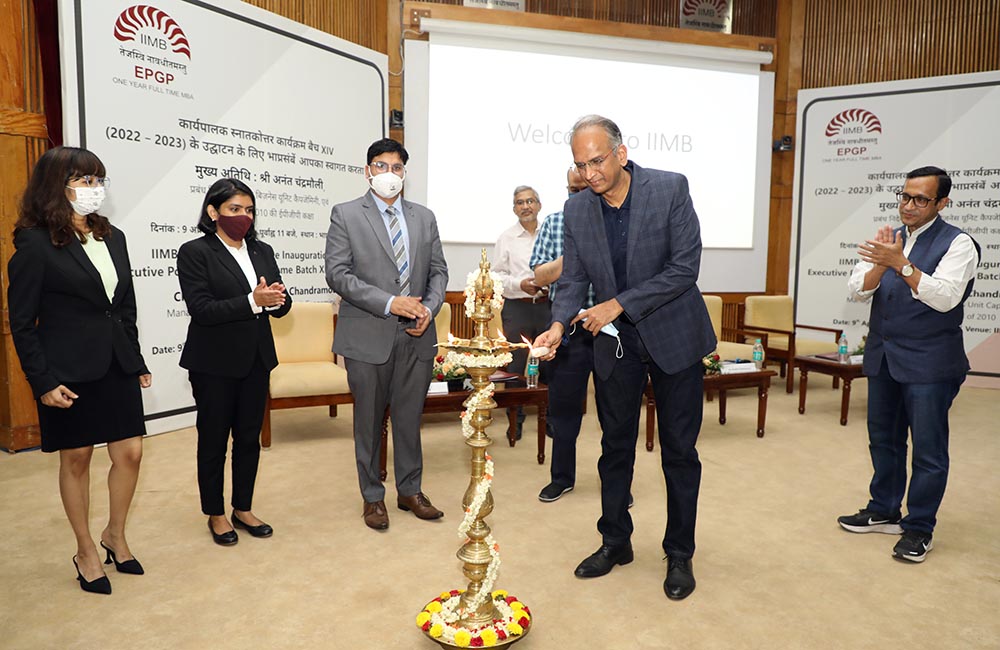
(399, 251)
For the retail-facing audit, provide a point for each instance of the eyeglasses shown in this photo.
(523, 202)
(594, 163)
(919, 201)
(382, 167)
(93, 181)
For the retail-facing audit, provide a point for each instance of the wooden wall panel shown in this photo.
(839, 42)
(750, 17)
(360, 21)
(862, 41)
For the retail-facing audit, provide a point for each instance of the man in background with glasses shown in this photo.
(526, 305)
(384, 259)
(917, 278)
(635, 237)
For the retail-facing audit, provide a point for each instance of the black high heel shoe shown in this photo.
(128, 566)
(100, 586)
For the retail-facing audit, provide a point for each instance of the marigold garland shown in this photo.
(514, 620)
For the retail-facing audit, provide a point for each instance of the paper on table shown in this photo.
(737, 368)
(438, 388)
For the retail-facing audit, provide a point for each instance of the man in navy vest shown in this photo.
(918, 278)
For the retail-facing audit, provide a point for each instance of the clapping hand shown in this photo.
(885, 250)
(265, 295)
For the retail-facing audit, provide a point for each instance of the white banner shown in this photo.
(856, 144)
(175, 95)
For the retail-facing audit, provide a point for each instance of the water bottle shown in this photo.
(842, 354)
(758, 355)
(532, 373)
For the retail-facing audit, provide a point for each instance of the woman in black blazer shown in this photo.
(231, 284)
(73, 322)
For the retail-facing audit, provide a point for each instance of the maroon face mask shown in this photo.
(236, 226)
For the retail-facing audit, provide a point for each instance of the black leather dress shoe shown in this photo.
(255, 531)
(605, 559)
(680, 578)
(227, 538)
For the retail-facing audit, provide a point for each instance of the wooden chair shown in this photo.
(729, 349)
(307, 372)
(775, 316)
(726, 349)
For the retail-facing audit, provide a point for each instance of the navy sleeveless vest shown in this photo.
(921, 344)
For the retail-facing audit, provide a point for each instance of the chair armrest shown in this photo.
(774, 330)
(744, 332)
(836, 332)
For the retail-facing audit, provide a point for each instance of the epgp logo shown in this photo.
(853, 131)
(161, 43)
(706, 8)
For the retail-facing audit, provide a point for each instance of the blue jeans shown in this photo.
(894, 410)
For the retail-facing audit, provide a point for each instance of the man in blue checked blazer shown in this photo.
(635, 237)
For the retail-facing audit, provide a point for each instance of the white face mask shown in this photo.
(88, 199)
(610, 330)
(387, 185)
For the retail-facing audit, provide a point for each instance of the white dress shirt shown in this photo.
(510, 259)
(943, 289)
(242, 257)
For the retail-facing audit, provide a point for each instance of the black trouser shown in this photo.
(568, 374)
(229, 405)
(678, 414)
(528, 319)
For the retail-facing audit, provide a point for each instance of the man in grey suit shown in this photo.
(384, 258)
(634, 236)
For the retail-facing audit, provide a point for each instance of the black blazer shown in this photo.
(64, 327)
(225, 335)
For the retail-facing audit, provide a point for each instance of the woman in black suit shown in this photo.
(73, 321)
(231, 284)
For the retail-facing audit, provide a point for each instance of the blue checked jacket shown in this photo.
(662, 298)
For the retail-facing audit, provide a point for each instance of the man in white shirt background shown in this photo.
(526, 310)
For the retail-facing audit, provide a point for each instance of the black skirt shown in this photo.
(105, 410)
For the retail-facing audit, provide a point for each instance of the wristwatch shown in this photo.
(906, 271)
